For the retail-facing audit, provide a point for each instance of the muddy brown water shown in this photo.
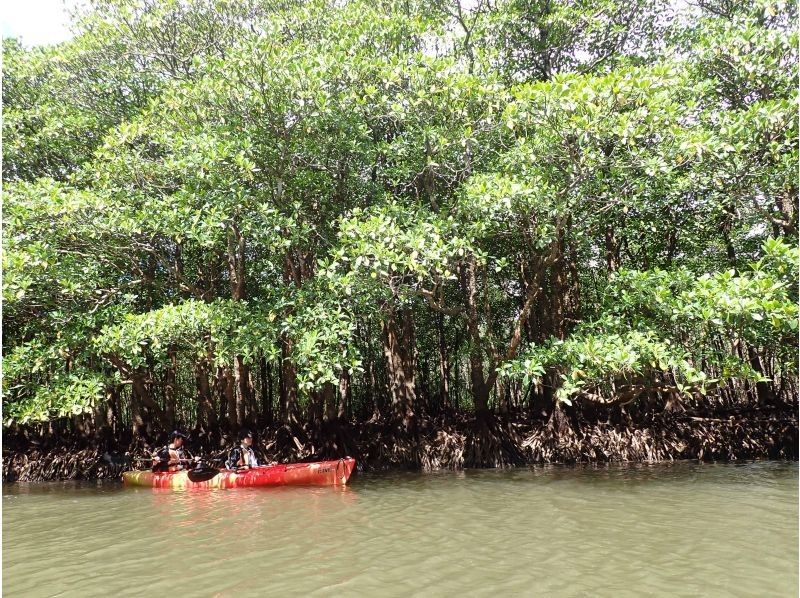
(682, 529)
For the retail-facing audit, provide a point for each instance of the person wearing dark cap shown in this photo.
(242, 456)
(172, 457)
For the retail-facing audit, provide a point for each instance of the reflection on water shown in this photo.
(681, 529)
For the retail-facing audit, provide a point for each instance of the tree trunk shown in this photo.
(289, 383)
(444, 366)
(140, 397)
(221, 387)
(315, 409)
(399, 361)
(456, 390)
(241, 372)
(100, 418)
(229, 382)
(138, 428)
(170, 381)
(292, 274)
(328, 401)
(763, 389)
(113, 410)
(480, 391)
(503, 393)
(266, 390)
(243, 392)
(207, 417)
(560, 290)
(369, 375)
(157, 414)
(344, 393)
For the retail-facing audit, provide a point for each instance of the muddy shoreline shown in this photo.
(440, 443)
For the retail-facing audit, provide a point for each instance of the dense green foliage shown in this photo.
(221, 214)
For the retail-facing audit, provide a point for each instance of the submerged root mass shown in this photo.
(451, 443)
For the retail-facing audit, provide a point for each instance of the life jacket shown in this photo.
(241, 453)
(165, 456)
(163, 462)
(249, 457)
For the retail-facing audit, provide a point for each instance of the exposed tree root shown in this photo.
(332, 439)
(291, 443)
(452, 443)
(493, 444)
(665, 438)
(443, 449)
(390, 445)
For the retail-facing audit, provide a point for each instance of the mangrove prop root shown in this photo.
(453, 443)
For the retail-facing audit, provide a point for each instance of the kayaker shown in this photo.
(172, 457)
(243, 456)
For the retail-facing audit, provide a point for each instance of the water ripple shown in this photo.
(680, 529)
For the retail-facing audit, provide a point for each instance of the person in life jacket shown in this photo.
(242, 456)
(172, 457)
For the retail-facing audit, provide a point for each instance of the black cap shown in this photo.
(177, 434)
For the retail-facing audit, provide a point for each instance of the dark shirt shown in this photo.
(163, 455)
(237, 455)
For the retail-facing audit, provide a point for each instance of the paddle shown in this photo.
(203, 470)
(202, 473)
(205, 473)
(150, 459)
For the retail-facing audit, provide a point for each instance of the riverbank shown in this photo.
(453, 442)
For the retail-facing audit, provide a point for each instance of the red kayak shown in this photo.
(322, 473)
